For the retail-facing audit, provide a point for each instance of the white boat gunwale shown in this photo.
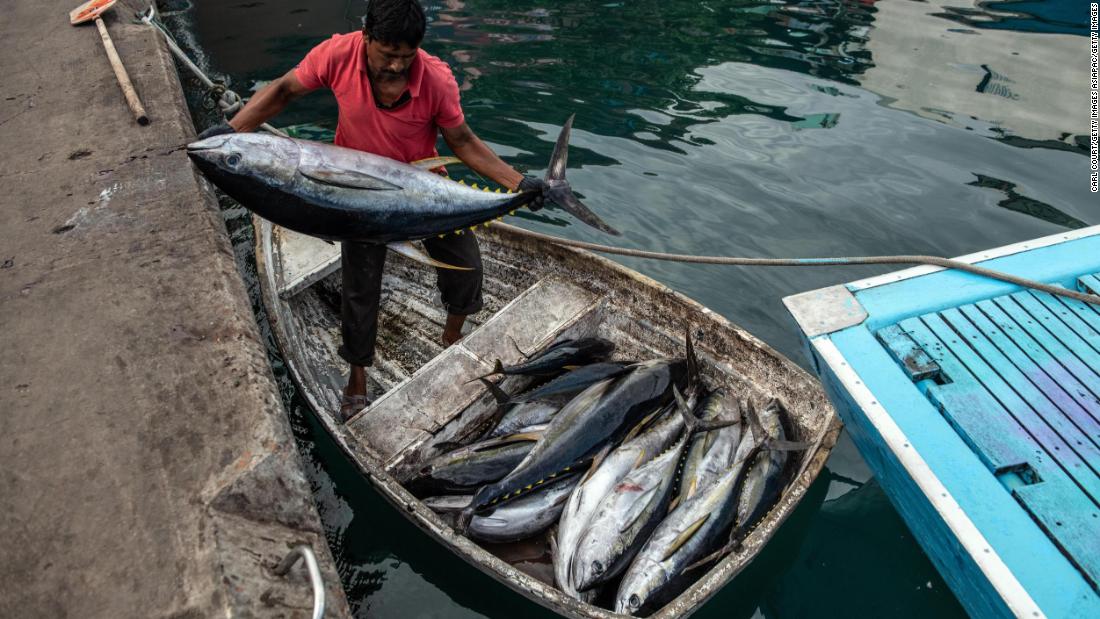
(529, 586)
(877, 410)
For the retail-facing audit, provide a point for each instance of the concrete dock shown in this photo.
(147, 468)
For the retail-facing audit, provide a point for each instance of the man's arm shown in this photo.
(266, 104)
(479, 157)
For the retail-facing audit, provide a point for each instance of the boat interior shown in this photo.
(423, 392)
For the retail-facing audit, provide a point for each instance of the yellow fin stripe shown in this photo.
(682, 538)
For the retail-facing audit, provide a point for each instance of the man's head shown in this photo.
(393, 30)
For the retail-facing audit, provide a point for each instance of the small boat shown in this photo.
(977, 405)
(535, 293)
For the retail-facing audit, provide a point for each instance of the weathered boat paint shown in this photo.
(733, 357)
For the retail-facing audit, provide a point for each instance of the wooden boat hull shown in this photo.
(972, 402)
(637, 307)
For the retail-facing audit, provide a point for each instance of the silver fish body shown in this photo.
(764, 479)
(627, 515)
(525, 516)
(521, 417)
(601, 414)
(695, 527)
(586, 498)
(711, 453)
(342, 194)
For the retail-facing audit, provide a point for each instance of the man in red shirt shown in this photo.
(393, 97)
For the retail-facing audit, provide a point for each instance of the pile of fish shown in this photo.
(647, 472)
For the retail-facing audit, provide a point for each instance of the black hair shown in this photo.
(394, 22)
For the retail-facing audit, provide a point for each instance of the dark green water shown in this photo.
(734, 128)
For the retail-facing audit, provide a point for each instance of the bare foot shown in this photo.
(452, 331)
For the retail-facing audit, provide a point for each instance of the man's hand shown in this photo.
(534, 183)
(219, 129)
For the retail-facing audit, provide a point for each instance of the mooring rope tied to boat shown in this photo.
(229, 101)
(810, 262)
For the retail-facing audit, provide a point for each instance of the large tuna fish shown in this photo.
(341, 194)
(560, 355)
(596, 485)
(466, 469)
(711, 453)
(563, 388)
(632, 510)
(601, 414)
(699, 523)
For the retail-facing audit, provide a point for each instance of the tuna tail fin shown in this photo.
(497, 369)
(694, 425)
(561, 193)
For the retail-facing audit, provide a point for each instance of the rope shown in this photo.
(227, 101)
(230, 102)
(810, 262)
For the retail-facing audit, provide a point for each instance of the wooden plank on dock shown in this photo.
(1048, 352)
(1072, 524)
(1044, 371)
(996, 437)
(966, 333)
(912, 358)
(1063, 323)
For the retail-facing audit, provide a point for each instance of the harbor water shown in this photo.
(748, 128)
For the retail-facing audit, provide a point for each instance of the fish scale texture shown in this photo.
(146, 465)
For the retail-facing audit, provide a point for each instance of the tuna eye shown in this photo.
(597, 567)
(232, 159)
(634, 600)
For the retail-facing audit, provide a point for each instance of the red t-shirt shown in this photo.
(406, 133)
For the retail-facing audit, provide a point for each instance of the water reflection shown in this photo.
(1011, 79)
(748, 128)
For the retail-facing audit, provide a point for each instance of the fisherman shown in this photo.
(394, 99)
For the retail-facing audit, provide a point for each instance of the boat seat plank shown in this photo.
(1070, 521)
(1028, 360)
(969, 409)
(408, 413)
(1090, 283)
(1040, 417)
(912, 358)
(1070, 330)
(1087, 315)
(1062, 365)
(305, 260)
(995, 421)
(532, 320)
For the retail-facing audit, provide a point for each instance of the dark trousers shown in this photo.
(361, 266)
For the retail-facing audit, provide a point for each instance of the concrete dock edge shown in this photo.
(147, 468)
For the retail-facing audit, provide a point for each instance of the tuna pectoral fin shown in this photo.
(432, 163)
(684, 536)
(638, 509)
(498, 393)
(407, 249)
(327, 174)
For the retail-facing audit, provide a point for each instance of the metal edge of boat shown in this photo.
(969, 560)
(528, 586)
